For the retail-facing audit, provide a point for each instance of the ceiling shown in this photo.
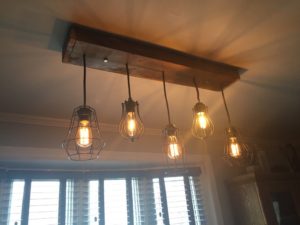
(262, 36)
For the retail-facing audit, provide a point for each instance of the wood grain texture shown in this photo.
(145, 60)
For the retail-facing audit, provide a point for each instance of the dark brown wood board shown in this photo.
(145, 60)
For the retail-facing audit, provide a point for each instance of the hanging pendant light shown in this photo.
(172, 144)
(235, 152)
(131, 125)
(83, 141)
(202, 125)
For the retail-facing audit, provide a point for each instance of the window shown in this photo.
(197, 200)
(15, 206)
(158, 205)
(77, 202)
(156, 198)
(43, 208)
(115, 202)
(93, 202)
(176, 200)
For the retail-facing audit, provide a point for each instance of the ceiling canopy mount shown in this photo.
(110, 52)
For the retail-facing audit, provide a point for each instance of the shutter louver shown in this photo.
(44, 199)
(160, 197)
(93, 202)
(5, 189)
(197, 200)
(176, 200)
(158, 202)
(13, 197)
(77, 197)
(143, 201)
(82, 202)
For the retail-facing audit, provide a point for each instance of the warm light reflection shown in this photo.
(84, 134)
(131, 124)
(235, 149)
(173, 149)
(202, 126)
(202, 120)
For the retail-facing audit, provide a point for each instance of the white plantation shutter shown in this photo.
(115, 201)
(176, 200)
(158, 202)
(159, 197)
(69, 202)
(12, 197)
(44, 199)
(169, 200)
(197, 200)
(179, 200)
(77, 196)
(144, 212)
(93, 202)
(82, 202)
(5, 189)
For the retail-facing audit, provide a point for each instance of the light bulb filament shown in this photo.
(235, 150)
(174, 150)
(84, 134)
(202, 120)
(131, 124)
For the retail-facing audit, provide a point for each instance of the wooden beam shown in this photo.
(145, 60)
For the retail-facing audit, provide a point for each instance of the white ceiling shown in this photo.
(262, 36)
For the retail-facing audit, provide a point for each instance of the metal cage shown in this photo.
(236, 152)
(73, 149)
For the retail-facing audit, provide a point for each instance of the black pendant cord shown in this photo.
(197, 90)
(165, 93)
(228, 116)
(84, 80)
(128, 81)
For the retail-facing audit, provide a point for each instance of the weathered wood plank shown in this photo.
(145, 60)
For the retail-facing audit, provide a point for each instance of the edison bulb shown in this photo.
(174, 149)
(202, 126)
(131, 124)
(236, 152)
(84, 134)
(234, 147)
(202, 120)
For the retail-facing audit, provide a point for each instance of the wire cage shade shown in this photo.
(236, 152)
(131, 126)
(83, 141)
(202, 126)
(172, 146)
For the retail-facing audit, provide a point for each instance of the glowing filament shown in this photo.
(235, 149)
(202, 120)
(131, 124)
(174, 150)
(84, 134)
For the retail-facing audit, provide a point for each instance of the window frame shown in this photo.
(29, 176)
(32, 193)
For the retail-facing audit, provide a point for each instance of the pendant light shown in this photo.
(131, 126)
(236, 152)
(172, 144)
(83, 141)
(202, 126)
